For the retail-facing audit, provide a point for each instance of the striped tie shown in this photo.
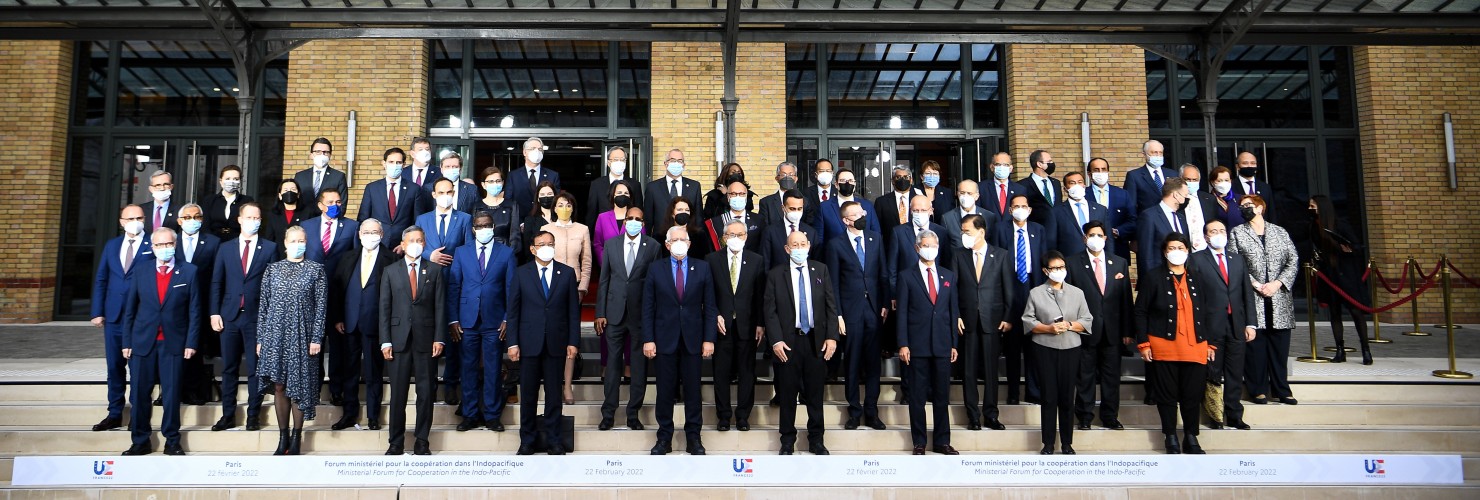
(1022, 256)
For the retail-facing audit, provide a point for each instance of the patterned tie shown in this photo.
(804, 310)
(824, 195)
(858, 249)
(673, 189)
(734, 272)
(392, 198)
(482, 263)
(544, 285)
(159, 216)
(318, 181)
(419, 173)
(1156, 176)
(930, 283)
(1100, 275)
(328, 226)
(678, 279)
(1047, 192)
(412, 277)
(1022, 256)
(902, 209)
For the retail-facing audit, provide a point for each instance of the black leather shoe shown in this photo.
(525, 449)
(636, 424)
(945, 450)
(1083, 425)
(605, 425)
(973, 426)
(422, 448)
(1366, 356)
(495, 426)
(1190, 446)
(1171, 444)
(818, 449)
(458, 412)
(343, 423)
(919, 450)
(787, 449)
(1014, 401)
(1114, 425)
(254, 423)
(851, 423)
(875, 424)
(1215, 425)
(295, 444)
(995, 425)
(107, 423)
(1340, 356)
(335, 400)
(661, 449)
(159, 401)
(1047, 450)
(742, 426)
(374, 424)
(1239, 424)
(396, 449)
(555, 449)
(137, 450)
(696, 447)
(1067, 450)
(722, 426)
(1032, 401)
(468, 423)
(1259, 400)
(285, 439)
(1289, 401)
(1148, 401)
(223, 423)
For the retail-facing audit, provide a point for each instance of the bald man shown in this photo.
(967, 195)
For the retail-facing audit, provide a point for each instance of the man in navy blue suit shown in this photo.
(1071, 214)
(902, 251)
(1025, 242)
(522, 183)
(996, 195)
(679, 326)
(328, 237)
(391, 200)
(198, 249)
(1145, 182)
(1042, 189)
(774, 236)
(354, 308)
(544, 330)
(846, 186)
(447, 230)
(481, 275)
(464, 193)
(313, 180)
(110, 290)
(1248, 182)
(661, 191)
(162, 312)
(236, 286)
(927, 324)
(1120, 215)
(856, 260)
(1159, 220)
(422, 172)
(160, 212)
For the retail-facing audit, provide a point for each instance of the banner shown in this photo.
(739, 470)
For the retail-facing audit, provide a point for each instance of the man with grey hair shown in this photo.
(162, 312)
(927, 330)
(160, 212)
(413, 332)
(1145, 183)
(354, 301)
(679, 327)
(771, 210)
(661, 191)
(522, 183)
(599, 200)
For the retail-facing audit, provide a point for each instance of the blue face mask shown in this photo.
(393, 171)
(932, 180)
(1002, 172)
(798, 255)
(190, 226)
(494, 189)
(163, 255)
(737, 203)
(295, 250)
(334, 211)
(634, 227)
(675, 169)
(1155, 161)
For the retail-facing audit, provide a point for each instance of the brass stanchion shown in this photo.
(1452, 372)
(1372, 292)
(1310, 317)
(1413, 274)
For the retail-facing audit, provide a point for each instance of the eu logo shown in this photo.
(742, 465)
(102, 467)
(1374, 466)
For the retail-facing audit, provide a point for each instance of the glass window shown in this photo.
(634, 64)
(187, 83)
(90, 101)
(1337, 97)
(986, 86)
(894, 86)
(81, 228)
(1260, 87)
(801, 85)
(446, 98)
(542, 83)
(1157, 90)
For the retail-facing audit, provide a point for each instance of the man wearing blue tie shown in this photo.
(802, 329)
(855, 261)
(1071, 214)
(544, 329)
(162, 312)
(447, 230)
(1145, 183)
(1025, 240)
(477, 294)
(679, 326)
(110, 290)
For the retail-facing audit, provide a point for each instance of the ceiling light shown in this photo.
(895, 122)
(506, 122)
(931, 122)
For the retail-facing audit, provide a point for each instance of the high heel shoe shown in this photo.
(283, 441)
(295, 447)
(1171, 444)
(1366, 356)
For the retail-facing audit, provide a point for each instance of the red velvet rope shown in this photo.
(1462, 276)
(1384, 282)
(1357, 304)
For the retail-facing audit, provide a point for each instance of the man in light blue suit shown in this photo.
(446, 230)
(110, 289)
(477, 293)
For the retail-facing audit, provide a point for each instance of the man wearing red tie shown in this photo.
(163, 317)
(927, 330)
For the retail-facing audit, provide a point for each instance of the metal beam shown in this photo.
(730, 103)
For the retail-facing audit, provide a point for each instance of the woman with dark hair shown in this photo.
(221, 208)
(286, 213)
(681, 212)
(506, 212)
(542, 213)
(608, 223)
(1228, 211)
(1170, 334)
(1055, 317)
(1337, 251)
(717, 200)
(1273, 266)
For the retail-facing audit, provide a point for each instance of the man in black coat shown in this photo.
(1105, 279)
(1236, 298)
(413, 332)
(802, 330)
(986, 289)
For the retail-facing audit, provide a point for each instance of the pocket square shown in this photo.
(1119, 276)
(179, 285)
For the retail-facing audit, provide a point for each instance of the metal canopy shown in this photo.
(1170, 22)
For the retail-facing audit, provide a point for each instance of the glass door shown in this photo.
(200, 168)
(975, 154)
(638, 166)
(870, 161)
(441, 146)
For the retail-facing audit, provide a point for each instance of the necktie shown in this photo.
(1047, 193)
(411, 276)
(442, 229)
(1002, 197)
(930, 283)
(159, 216)
(631, 255)
(367, 263)
(128, 257)
(1022, 256)
(804, 311)
(673, 191)
(678, 279)
(419, 173)
(734, 272)
(1156, 176)
(482, 263)
(1100, 197)
(246, 254)
(858, 249)
(318, 180)
(189, 249)
(391, 195)
(1100, 275)
(1223, 270)
(533, 183)
(790, 228)
(545, 285)
(163, 281)
(902, 210)
(1177, 223)
(1079, 207)
(328, 226)
(824, 195)
(1251, 188)
(978, 261)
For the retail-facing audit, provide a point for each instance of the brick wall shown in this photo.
(688, 83)
(35, 94)
(1048, 86)
(1402, 94)
(384, 81)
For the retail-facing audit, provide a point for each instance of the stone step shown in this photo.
(933, 493)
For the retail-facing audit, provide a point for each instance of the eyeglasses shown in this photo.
(1058, 268)
(322, 152)
(191, 217)
(675, 160)
(734, 235)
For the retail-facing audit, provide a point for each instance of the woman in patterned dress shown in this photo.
(289, 335)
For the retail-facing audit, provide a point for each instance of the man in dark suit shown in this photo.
(523, 182)
(1248, 182)
(1234, 325)
(1105, 279)
(1201, 206)
(422, 172)
(774, 236)
(1024, 241)
(314, 180)
(160, 212)
(1072, 213)
(861, 284)
(354, 302)
(661, 191)
(772, 206)
(464, 193)
(679, 323)
(986, 291)
(997, 194)
(391, 201)
(197, 248)
(1042, 189)
(902, 252)
(162, 312)
(599, 200)
(544, 331)
(737, 194)
(802, 329)
(738, 279)
(966, 196)
(478, 282)
(894, 207)
(110, 291)
(847, 190)
(1145, 183)
(236, 286)
(327, 238)
(1120, 215)
(619, 316)
(821, 205)
(447, 229)
(1159, 220)
(928, 327)
(413, 331)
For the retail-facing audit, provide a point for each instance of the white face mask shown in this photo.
(679, 248)
(1218, 241)
(1095, 244)
(1020, 214)
(966, 200)
(1058, 276)
(617, 167)
(929, 253)
(793, 217)
(968, 240)
(320, 161)
(825, 178)
(1222, 187)
(735, 244)
(251, 227)
(423, 156)
(133, 227)
(1177, 257)
(484, 235)
(445, 201)
(1076, 193)
(535, 156)
(545, 254)
(413, 250)
(369, 241)
(1100, 178)
(160, 196)
(921, 219)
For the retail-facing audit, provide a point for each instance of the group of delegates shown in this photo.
(474, 272)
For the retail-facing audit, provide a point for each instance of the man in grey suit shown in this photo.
(413, 330)
(315, 179)
(619, 315)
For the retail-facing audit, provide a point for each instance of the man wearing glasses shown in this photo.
(320, 176)
(115, 273)
(660, 192)
(198, 248)
(160, 212)
(619, 315)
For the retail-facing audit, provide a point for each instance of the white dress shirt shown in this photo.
(799, 272)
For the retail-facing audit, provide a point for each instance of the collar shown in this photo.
(615, 178)
(409, 262)
(1092, 255)
(1164, 208)
(544, 267)
(1150, 168)
(931, 266)
(535, 169)
(965, 212)
(632, 237)
(677, 261)
(169, 266)
(439, 211)
(1246, 180)
(843, 199)
(371, 251)
(734, 253)
(320, 171)
(1037, 179)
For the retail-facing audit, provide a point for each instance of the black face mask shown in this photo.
(846, 189)
(901, 184)
(622, 200)
(1247, 212)
(1048, 168)
(733, 178)
(681, 219)
(1247, 171)
(788, 183)
(861, 223)
(289, 197)
(547, 202)
(1183, 205)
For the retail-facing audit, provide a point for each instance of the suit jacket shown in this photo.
(655, 200)
(928, 329)
(178, 314)
(111, 283)
(1070, 236)
(1152, 228)
(599, 200)
(985, 299)
(945, 201)
(374, 203)
(464, 197)
(275, 223)
(1002, 237)
(459, 230)
(772, 212)
(1143, 188)
(990, 198)
(902, 252)
(1236, 293)
(541, 325)
(862, 290)
(1120, 215)
(219, 221)
(781, 310)
(351, 304)
(234, 291)
(477, 295)
(333, 178)
(428, 179)
(170, 217)
(688, 321)
(412, 324)
(773, 243)
(1111, 309)
(887, 208)
(1042, 209)
(831, 217)
(1261, 188)
(741, 306)
(813, 210)
(1275, 259)
(204, 260)
(619, 290)
(346, 236)
(754, 232)
(517, 188)
(1156, 306)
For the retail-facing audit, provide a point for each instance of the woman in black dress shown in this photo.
(542, 213)
(221, 208)
(290, 333)
(1338, 255)
(505, 211)
(286, 213)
